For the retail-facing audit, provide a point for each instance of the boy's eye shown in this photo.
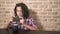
(19, 11)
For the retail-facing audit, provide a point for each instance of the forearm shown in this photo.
(30, 27)
(5, 26)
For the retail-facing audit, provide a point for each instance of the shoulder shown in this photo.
(30, 19)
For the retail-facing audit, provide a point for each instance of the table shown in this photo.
(4, 31)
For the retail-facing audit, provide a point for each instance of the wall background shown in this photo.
(46, 13)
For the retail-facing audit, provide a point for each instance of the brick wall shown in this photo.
(46, 13)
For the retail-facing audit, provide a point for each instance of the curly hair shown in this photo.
(25, 10)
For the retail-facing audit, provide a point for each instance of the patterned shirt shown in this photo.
(28, 21)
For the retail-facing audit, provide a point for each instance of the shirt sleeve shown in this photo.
(9, 25)
(31, 22)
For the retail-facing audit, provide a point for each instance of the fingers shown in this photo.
(22, 21)
(11, 19)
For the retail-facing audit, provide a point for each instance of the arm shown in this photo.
(33, 27)
(30, 27)
(7, 24)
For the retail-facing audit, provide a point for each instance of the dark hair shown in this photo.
(25, 10)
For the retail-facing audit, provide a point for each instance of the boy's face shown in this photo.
(19, 11)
